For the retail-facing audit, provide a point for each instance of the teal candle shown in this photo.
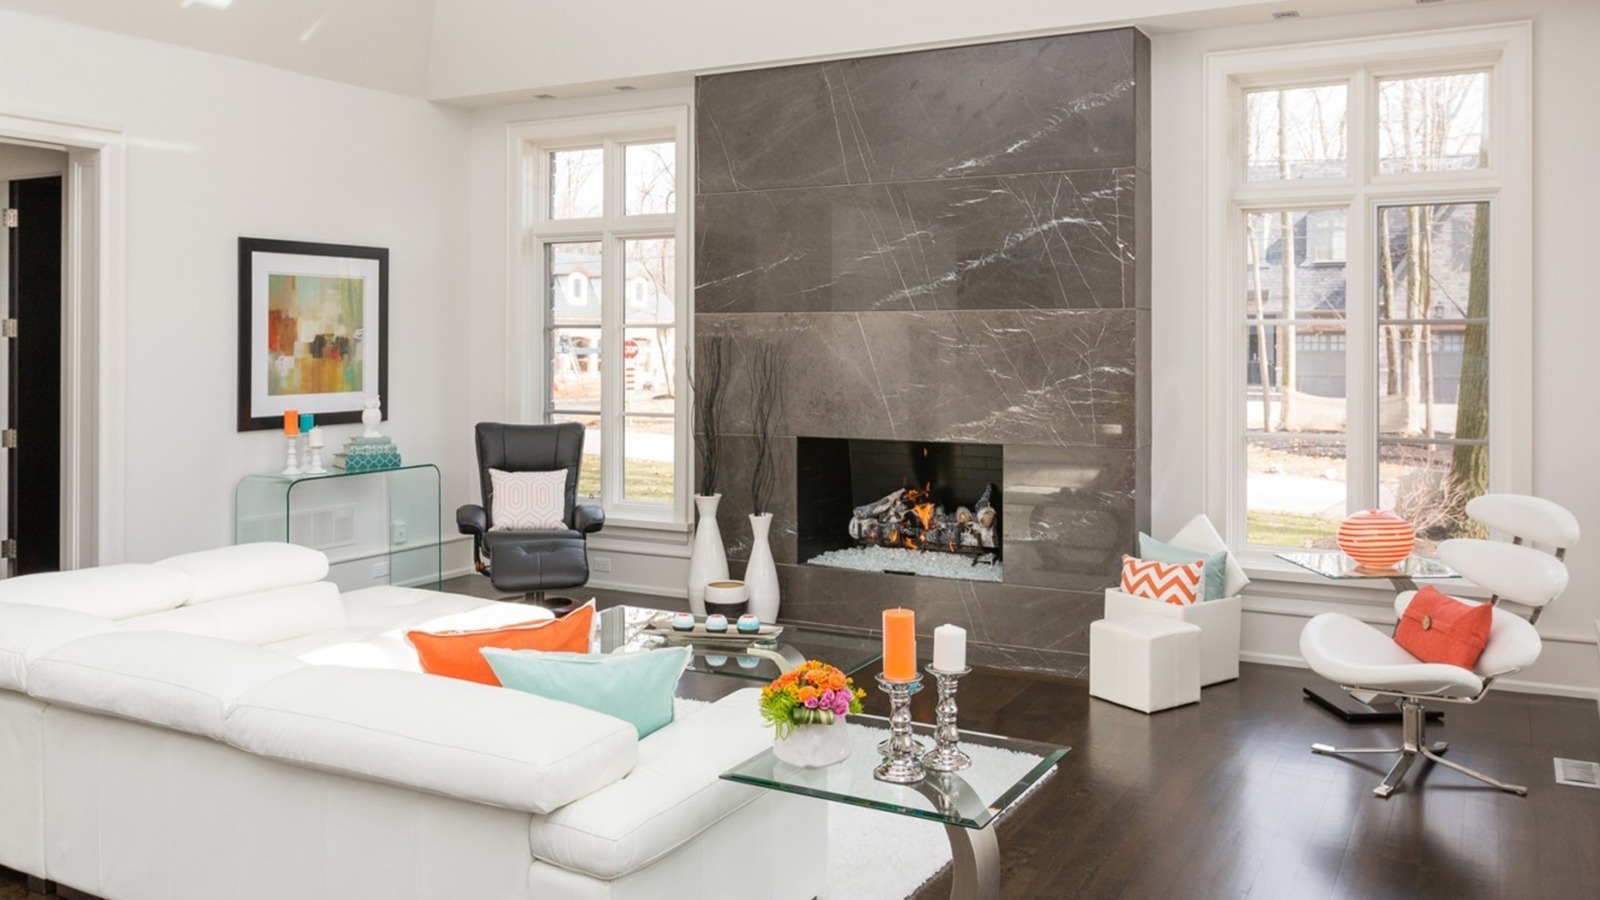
(306, 421)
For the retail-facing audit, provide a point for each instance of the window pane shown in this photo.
(1429, 485)
(651, 178)
(576, 183)
(575, 368)
(1296, 133)
(647, 463)
(1310, 358)
(1433, 378)
(1282, 279)
(589, 465)
(1432, 124)
(574, 283)
(650, 341)
(1295, 492)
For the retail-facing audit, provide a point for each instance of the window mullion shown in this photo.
(1361, 357)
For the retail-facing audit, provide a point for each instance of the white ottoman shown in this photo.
(1148, 663)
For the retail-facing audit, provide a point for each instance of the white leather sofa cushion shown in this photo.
(673, 794)
(187, 682)
(111, 592)
(265, 617)
(247, 568)
(28, 632)
(442, 735)
(386, 606)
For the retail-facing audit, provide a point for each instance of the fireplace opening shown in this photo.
(906, 507)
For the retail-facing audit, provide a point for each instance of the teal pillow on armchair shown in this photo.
(634, 687)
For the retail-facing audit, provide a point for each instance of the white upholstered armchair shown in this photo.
(1361, 658)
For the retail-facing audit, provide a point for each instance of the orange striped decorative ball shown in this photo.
(1376, 538)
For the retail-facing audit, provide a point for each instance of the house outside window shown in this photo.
(1372, 289)
(601, 295)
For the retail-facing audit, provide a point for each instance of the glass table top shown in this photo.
(756, 660)
(1336, 565)
(969, 799)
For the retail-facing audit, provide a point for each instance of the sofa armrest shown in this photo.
(471, 519)
(588, 518)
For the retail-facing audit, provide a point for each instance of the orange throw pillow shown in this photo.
(1439, 629)
(455, 653)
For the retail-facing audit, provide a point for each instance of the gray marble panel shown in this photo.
(1069, 515)
(1035, 105)
(1063, 378)
(1056, 241)
(733, 483)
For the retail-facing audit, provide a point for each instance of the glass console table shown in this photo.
(965, 802)
(1334, 565)
(389, 516)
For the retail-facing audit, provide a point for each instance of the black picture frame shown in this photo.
(348, 273)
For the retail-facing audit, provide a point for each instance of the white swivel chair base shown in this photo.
(1414, 743)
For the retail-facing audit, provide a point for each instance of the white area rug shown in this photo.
(876, 855)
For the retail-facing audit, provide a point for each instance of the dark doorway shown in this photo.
(33, 471)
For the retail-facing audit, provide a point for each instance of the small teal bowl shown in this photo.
(749, 624)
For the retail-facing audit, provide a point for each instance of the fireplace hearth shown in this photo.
(906, 507)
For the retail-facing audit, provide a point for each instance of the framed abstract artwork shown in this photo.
(313, 331)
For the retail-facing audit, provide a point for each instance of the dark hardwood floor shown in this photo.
(1224, 799)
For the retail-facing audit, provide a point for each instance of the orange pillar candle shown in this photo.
(899, 645)
(291, 423)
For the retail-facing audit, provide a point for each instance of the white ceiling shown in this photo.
(381, 44)
(483, 52)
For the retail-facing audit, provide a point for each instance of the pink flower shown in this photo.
(811, 703)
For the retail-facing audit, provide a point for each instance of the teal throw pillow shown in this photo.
(634, 687)
(1216, 563)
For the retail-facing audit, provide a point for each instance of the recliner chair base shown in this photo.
(1413, 744)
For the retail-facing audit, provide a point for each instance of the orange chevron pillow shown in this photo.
(1175, 583)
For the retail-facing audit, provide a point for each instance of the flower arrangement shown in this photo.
(814, 693)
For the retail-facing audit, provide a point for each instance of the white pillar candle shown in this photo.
(315, 439)
(949, 648)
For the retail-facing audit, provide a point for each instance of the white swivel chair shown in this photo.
(1361, 658)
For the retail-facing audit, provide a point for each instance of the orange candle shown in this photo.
(291, 423)
(899, 645)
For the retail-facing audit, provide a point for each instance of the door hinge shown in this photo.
(11, 218)
(8, 439)
(8, 548)
(8, 328)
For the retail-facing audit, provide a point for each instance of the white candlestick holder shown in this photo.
(291, 465)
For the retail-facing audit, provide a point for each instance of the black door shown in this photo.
(34, 471)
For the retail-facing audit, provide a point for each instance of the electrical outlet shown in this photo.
(601, 563)
(397, 532)
(380, 569)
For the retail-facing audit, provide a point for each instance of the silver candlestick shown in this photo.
(900, 765)
(946, 755)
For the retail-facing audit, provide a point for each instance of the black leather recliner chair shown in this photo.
(531, 562)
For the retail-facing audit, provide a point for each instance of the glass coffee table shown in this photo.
(965, 802)
(624, 629)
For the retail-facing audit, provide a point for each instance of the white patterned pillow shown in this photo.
(1175, 583)
(527, 501)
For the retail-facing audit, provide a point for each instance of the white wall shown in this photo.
(219, 149)
(1566, 307)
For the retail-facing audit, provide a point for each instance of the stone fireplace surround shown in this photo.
(947, 245)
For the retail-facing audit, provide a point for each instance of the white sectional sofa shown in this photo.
(227, 725)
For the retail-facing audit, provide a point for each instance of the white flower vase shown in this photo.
(708, 559)
(814, 746)
(761, 575)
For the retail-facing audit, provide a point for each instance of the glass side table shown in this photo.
(755, 660)
(966, 803)
(1336, 566)
(389, 515)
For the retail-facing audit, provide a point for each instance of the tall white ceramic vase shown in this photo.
(761, 575)
(708, 559)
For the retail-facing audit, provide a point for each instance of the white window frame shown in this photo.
(530, 228)
(1505, 52)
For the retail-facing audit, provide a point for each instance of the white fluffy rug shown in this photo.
(876, 855)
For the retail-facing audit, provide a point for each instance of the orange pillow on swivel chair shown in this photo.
(455, 653)
(1436, 628)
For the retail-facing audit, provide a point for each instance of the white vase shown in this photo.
(761, 575)
(708, 559)
(814, 746)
